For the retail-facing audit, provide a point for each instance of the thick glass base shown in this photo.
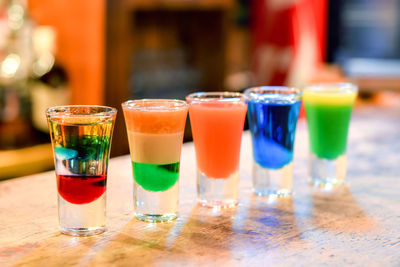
(156, 217)
(159, 206)
(83, 231)
(217, 192)
(82, 219)
(325, 173)
(272, 182)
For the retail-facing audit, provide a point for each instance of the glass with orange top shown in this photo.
(155, 132)
(217, 120)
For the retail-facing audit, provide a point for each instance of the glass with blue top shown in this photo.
(272, 113)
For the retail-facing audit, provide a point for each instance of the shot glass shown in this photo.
(328, 109)
(155, 132)
(272, 113)
(217, 120)
(81, 140)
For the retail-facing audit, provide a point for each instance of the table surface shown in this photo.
(359, 224)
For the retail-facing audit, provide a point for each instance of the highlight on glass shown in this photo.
(328, 108)
(81, 140)
(155, 131)
(272, 113)
(217, 120)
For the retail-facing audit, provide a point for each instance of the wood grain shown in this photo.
(358, 224)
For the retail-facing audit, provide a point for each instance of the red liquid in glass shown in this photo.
(81, 189)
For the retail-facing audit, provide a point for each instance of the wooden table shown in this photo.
(359, 224)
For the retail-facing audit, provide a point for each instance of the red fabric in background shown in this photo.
(280, 30)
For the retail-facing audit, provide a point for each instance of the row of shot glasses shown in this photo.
(81, 139)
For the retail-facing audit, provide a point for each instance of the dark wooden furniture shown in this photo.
(198, 28)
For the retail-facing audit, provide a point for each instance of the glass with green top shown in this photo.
(328, 110)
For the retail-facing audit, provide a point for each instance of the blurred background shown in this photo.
(105, 52)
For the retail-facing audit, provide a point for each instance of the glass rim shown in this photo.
(67, 110)
(273, 92)
(215, 96)
(331, 87)
(135, 104)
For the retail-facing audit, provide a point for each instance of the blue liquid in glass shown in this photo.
(273, 125)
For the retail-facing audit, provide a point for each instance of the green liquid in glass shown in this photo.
(155, 177)
(82, 148)
(328, 127)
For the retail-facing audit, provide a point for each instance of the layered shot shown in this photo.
(217, 120)
(81, 140)
(155, 130)
(328, 109)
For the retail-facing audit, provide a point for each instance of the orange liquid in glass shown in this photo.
(155, 133)
(217, 131)
(154, 118)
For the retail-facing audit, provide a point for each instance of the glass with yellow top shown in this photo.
(328, 109)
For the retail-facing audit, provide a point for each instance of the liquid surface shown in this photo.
(272, 127)
(156, 177)
(217, 130)
(328, 117)
(326, 98)
(155, 121)
(81, 189)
